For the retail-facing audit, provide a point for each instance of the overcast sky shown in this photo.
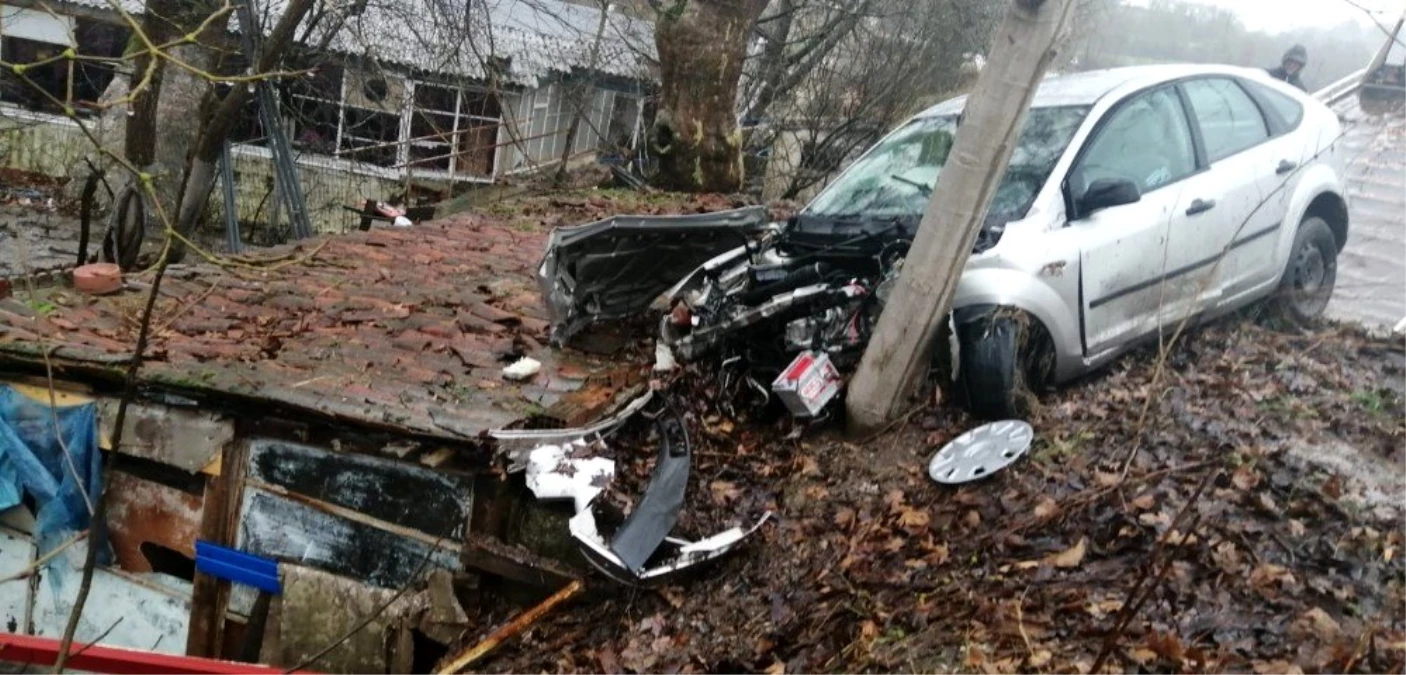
(1277, 15)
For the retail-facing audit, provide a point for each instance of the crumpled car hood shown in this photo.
(614, 268)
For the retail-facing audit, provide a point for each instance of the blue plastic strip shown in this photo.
(237, 566)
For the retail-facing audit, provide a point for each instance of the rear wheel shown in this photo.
(1310, 274)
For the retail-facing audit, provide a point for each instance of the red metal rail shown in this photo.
(42, 651)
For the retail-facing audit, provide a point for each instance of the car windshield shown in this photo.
(895, 179)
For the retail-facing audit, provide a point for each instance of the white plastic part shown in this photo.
(402, 221)
(522, 369)
(552, 473)
(664, 360)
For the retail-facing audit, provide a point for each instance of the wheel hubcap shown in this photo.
(1310, 278)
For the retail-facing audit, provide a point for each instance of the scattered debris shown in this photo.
(981, 452)
(573, 469)
(664, 358)
(522, 369)
(808, 384)
(98, 278)
(517, 625)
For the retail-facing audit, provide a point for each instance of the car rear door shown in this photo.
(1224, 209)
(1279, 166)
(1145, 139)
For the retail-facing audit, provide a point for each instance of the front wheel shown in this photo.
(1310, 274)
(1003, 357)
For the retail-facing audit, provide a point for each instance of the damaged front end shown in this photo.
(615, 268)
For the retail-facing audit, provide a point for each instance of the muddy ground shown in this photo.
(1257, 528)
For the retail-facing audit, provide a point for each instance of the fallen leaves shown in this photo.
(1071, 557)
(890, 572)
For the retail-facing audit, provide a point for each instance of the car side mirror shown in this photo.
(1106, 192)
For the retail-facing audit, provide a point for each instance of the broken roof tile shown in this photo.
(402, 329)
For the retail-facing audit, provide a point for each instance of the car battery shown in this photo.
(808, 384)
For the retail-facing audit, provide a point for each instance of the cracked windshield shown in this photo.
(896, 178)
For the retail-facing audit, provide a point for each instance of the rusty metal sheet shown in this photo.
(16, 554)
(281, 528)
(144, 512)
(186, 439)
(405, 494)
(150, 612)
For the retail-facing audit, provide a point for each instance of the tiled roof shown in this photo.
(402, 329)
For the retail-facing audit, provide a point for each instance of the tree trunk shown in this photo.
(701, 45)
(200, 179)
(160, 133)
(1021, 50)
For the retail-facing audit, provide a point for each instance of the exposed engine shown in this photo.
(792, 292)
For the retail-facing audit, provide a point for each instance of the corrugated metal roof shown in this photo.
(1371, 272)
(535, 37)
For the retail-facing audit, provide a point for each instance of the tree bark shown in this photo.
(701, 46)
(1021, 50)
(200, 179)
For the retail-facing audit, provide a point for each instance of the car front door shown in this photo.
(1144, 143)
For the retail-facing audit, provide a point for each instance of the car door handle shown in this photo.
(1200, 206)
(1285, 166)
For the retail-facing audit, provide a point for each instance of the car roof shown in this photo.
(1086, 88)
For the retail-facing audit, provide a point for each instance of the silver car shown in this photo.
(1136, 199)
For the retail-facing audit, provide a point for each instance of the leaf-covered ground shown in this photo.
(1255, 528)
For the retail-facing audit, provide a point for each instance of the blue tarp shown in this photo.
(32, 461)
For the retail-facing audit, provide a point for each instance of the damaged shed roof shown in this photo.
(400, 329)
(534, 38)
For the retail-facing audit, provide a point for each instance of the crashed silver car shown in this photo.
(1136, 198)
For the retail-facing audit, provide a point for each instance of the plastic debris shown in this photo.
(664, 358)
(522, 369)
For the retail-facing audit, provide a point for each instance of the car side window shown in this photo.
(1146, 140)
(1230, 121)
(1290, 112)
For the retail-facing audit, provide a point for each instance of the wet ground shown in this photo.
(34, 240)
(1371, 285)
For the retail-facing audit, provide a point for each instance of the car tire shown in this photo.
(1310, 274)
(994, 364)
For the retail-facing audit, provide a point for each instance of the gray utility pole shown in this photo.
(898, 354)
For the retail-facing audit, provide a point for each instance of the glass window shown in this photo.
(897, 176)
(1230, 121)
(1146, 140)
(1290, 112)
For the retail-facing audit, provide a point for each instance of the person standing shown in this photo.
(1291, 65)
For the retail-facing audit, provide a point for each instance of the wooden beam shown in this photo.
(1021, 50)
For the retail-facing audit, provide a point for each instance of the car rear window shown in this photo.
(1290, 112)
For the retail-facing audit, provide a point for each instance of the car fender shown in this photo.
(1317, 180)
(1014, 288)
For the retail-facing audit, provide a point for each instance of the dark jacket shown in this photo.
(1279, 73)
